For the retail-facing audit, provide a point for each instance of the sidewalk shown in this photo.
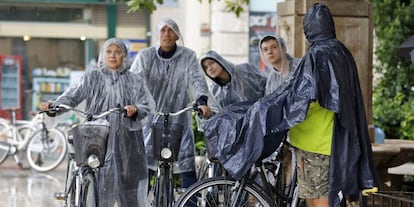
(27, 188)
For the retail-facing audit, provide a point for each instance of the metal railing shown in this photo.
(388, 199)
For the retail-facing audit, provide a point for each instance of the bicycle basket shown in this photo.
(166, 137)
(90, 139)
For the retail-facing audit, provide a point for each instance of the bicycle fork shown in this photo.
(164, 193)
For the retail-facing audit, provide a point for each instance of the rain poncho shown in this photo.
(174, 83)
(247, 83)
(276, 78)
(327, 73)
(124, 176)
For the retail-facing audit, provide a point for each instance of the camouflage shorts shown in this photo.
(312, 174)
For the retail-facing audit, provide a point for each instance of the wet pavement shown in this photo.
(28, 188)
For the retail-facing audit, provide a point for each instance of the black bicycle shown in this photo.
(87, 148)
(166, 140)
(265, 185)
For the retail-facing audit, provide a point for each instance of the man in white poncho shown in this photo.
(175, 80)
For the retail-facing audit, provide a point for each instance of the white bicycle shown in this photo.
(45, 148)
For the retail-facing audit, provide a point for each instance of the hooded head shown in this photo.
(219, 67)
(318, 24)
(273, 51)
(106, 53)
(173, 26)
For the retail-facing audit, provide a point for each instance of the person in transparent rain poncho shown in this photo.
(175, 80)
(123, 178)
(279, 65)
(232, 83)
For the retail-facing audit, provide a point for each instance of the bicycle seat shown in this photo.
(12, 109)
(271, 142)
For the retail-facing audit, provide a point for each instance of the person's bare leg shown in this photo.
(317, 202)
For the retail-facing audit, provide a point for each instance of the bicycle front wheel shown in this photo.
(221, 192)
(71, 185)
(164, 196)
(89, 191)
(46, 149)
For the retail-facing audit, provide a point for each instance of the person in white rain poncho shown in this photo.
(232, 83)
(123, 178)
(279, 64)
(175, 80)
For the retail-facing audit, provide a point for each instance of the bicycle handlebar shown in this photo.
(188, 108)
(88, 116)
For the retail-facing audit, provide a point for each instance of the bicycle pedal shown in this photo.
(60, 196)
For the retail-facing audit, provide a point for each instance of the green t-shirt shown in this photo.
(315, 133)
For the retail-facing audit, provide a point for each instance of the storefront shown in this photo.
(54, 39)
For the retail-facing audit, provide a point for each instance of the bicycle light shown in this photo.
(166, 153)
(93, 161)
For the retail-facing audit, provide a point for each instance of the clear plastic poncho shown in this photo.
(247, 82)
(327, 74)
(174, 83)
(124, 176)
(288, 64)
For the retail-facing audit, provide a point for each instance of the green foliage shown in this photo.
(393, 96)
(198, 136)
(143, 5)
(235, 6)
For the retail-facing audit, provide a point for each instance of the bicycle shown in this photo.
(264, 185)
(87, 143)
(166, 139)
(45, 148)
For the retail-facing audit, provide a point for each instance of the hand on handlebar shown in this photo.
(131, 110)
(45, 105)
(204, 110)
(47, 108)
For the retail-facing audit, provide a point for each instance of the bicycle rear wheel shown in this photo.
(220, 192)
(5, 134)
(46, 150)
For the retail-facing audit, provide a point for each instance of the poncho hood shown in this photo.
(226, 65)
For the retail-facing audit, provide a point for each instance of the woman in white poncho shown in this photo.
(123, 178)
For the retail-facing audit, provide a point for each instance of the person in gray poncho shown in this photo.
(123, 178)
(279, 65)
(175, 80)
(232, 83)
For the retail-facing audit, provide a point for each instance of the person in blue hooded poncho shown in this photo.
(124, 176)
(325, 80)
